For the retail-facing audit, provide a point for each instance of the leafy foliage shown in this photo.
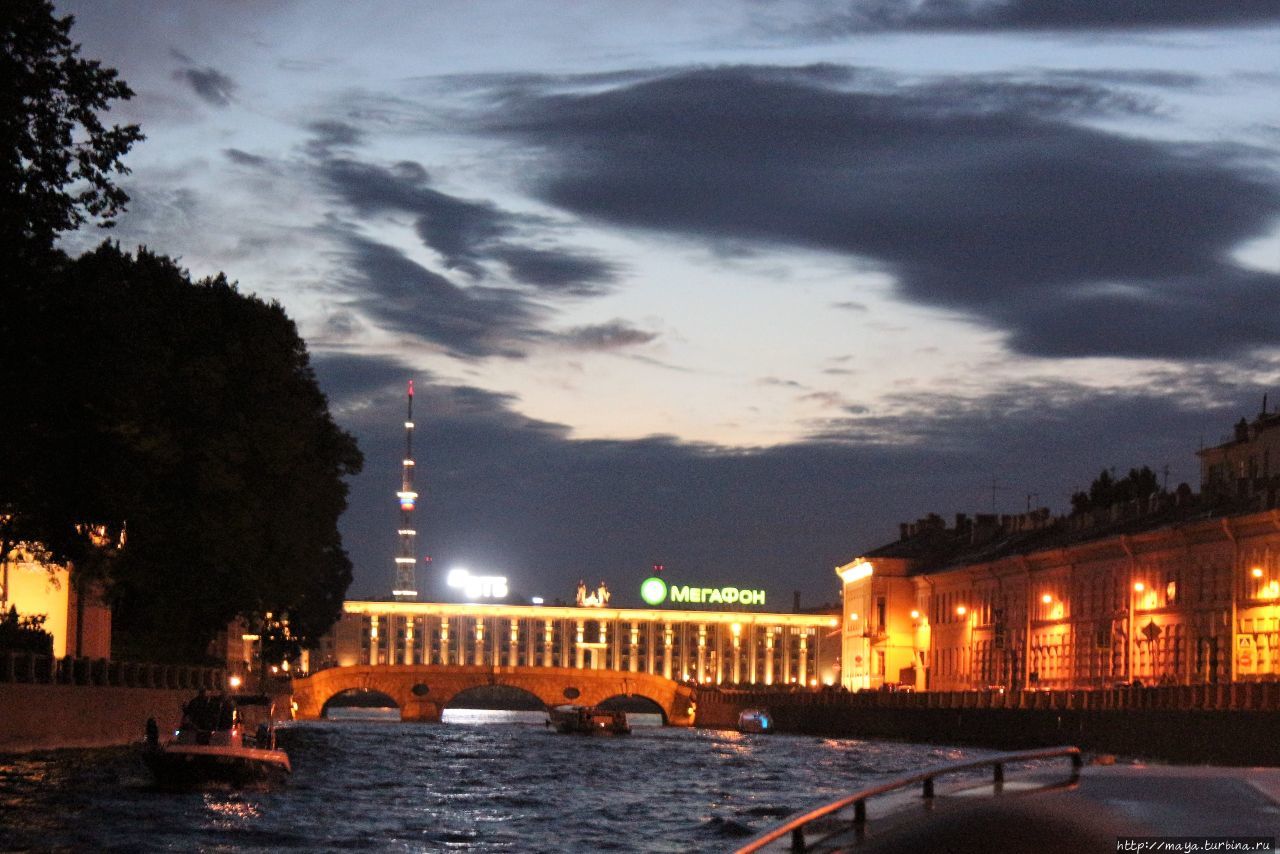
(1106, 490)
(59, 158)
(190, 412)
(24, 634)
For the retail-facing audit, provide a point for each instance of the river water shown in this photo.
(482, 781)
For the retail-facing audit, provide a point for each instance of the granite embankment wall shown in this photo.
(1227, 725)
(53, 703)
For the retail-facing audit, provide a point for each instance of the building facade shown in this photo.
(1169, 589)
(710, 647)
(75, 615)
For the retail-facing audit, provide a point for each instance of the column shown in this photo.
(633, 654)
(804, 659)
(702, 652)
(479, 654)
(579, 635)
(785, 647)
(650, 653)
(548, 644)
(768, 655)
(374, 658)
(753, 634)
(601, 653)
(737, 653)
(666, 650)
(444, 641)
(566, 644)
(408, 640)
(513, 650)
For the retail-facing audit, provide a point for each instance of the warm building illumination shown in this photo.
(1139, 586)
(855, 571)
(961, 610)
(235, 682)
(736, 628)
(1046, 598)
(1257, 572)
(915, 615)
(853, 617)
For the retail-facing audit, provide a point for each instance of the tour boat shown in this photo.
(223, 738)
(971, 806)
(755, 720)
(589, 720)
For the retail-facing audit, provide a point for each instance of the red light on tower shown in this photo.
(657, 568)
(410, 388)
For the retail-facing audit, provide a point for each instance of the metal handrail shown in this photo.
(794, 827)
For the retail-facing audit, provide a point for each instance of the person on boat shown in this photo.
(200, 712)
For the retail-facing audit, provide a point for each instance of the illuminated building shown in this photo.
(1171, 589)
(75, 615)
(710, 647)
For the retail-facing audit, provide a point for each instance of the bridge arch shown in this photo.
(358, 698)
(496, 696)
(634, 703)
(423, 691)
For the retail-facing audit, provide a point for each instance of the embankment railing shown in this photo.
(1236, 696)
(48, 670)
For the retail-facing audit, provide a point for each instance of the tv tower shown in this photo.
(406, 586)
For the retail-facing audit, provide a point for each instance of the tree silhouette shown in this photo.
(189, 412)
(59, 158)
(1106, 490)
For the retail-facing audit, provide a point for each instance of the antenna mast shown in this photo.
(406, 586)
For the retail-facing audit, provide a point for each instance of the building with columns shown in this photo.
(710, 647)
(1167, 589)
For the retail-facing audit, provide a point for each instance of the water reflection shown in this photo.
(507, 785)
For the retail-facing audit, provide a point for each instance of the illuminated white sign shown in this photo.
(655, 591)
(477, 586)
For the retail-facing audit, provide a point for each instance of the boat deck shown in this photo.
(1047, 810)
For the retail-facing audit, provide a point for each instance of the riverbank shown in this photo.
(48, 703)
(44, 717)
(1225, 736)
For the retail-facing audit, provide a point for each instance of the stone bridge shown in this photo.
(423, 691)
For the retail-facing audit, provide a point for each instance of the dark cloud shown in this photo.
(557, 270)
(211, 85)
(962, 15)
(1074, 240)
(466, 233)
(614, 335)
(328, 135)
(404, 296)
(494, 482)
(244, 158)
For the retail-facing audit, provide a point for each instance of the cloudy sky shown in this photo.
(731, 286)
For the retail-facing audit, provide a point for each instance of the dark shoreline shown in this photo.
(1237, 737)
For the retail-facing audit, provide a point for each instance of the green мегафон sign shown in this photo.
(654, 591)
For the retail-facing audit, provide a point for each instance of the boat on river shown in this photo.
(755, 720)
(588, 720)
(1054, 804)
(223, 738)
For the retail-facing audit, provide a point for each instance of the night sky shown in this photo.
(730, 286)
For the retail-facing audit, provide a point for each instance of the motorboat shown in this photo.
(755, 720)
(223, 738)
(1027, 801)
(588, 720)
